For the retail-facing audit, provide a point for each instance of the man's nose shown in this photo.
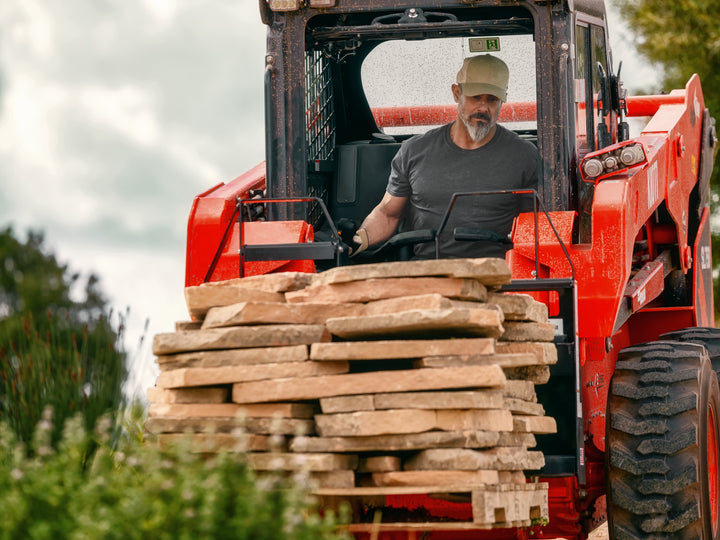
(482, 104)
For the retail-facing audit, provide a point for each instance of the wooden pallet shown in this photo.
(492, 505)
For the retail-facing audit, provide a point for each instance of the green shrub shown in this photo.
(59, 363)
(144, 492)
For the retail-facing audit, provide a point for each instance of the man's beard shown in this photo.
(478, 131)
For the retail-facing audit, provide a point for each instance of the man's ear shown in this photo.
(456, 90)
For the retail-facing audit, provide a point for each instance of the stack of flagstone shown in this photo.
(412, 376)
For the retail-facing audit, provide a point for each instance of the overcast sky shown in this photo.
(113, 116)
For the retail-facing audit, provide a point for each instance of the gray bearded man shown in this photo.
(473, 153)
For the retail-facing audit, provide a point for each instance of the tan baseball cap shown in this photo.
(484, 74)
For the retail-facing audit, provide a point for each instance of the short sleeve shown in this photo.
(399, 181)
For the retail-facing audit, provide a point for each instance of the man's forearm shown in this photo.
(379, 227)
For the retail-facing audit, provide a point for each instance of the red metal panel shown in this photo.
(210, 216)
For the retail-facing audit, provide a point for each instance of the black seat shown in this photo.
(360, 179)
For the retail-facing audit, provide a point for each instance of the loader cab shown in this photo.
(345, 85)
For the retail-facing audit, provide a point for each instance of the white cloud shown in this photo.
(128, 109)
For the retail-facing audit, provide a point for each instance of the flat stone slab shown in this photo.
(188, 395)
(256, 425)
(404, 442)
(534, 374)
(521, 406)
(277, 461)
(375, 464)
(502, 360)
(233, 357)
(255, 410)
(421, 301)
(519, 307)
(247, 313)
(189, 377)
(275, 282)
(484, 322)
(534, 424)
(464, 459)
(398, 421)
(436, 478)
(546, 352)
(239, 338)
(520, 389)
(368, 383)
(460, 399)
(201, 298)
(397, 349)
(379, 289)
(490, 271)
(216, 442)
(528, 331)
(333, 479)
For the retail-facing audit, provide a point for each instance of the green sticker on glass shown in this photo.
(484, 44)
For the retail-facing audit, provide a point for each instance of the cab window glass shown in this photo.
(420, 74)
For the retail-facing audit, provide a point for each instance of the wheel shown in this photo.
(662, 444)
(708, 337)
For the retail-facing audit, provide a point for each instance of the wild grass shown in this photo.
(142, 491)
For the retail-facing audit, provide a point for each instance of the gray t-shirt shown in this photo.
(430, 167)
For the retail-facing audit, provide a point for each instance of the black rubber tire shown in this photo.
(708, 337)
(657, 447)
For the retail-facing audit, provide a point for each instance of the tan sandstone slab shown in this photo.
(464, 459)
(546, 352)
(435, 478)
(340, 404)
(227, 424)
(520, 389)
(421, 301)
(239, 338)
(188, 395)
(521, 406)
(333, 479)
(277, 461)
(200, 299)
(463, 399)
(502, 360)
(404, 442)
(368, 383)
(490, 271)
(534, 424)
(188, 377)
(233, 357)
(528, 331)
(397, 421)
(535, 374)
(375, 464)
(519, 307)
(215, 442)
(378, 289)
(247, 313)
(480, 321)
(255, 410)
(395, 349)
(275, 282)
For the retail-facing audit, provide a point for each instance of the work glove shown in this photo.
(356, 239)
(359, 242)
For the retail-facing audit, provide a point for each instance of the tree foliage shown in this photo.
(57, 344)
(683, 36)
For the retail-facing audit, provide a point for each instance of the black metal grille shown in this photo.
(319, 111)
(319, 127)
